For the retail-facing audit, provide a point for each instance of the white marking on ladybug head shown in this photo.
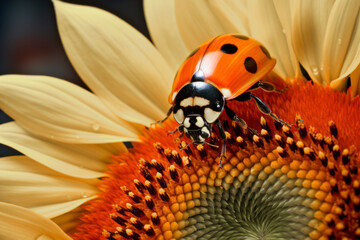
(187, 102)
(199, 122)
(226, 92)
(206, 130)
(211, 115)
(187, 122)
(179, 116)
(201, 102)
(201, 139)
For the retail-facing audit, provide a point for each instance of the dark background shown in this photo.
(30, 42)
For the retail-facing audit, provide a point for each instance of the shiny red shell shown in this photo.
(227, 70)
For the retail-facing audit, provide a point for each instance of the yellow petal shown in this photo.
(341, 45)
(161, 21)
(70, 220)
(21, 223)
(285, 11)
(232, 14)
(27, 183)
(197, 23)
(309, 27)
(119, 64)
(60, 110)
(58, 209)
(339, 84)
(77, 160)
(268, 29)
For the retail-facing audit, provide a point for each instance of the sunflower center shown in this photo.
(258, 206)
(282, 184)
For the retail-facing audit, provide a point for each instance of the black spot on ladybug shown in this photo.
(241, 37)
(265, 51)
(198, 76)
(250, 65)
(229, 48)
(193, 53)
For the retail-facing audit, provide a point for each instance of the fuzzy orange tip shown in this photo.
(300, 181)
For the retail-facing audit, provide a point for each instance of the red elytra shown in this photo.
(225, 69)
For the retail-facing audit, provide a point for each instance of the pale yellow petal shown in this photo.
(339, 84)
(70, 220)
(77, 160)
(341, 45)
(267, 28)
(161, 21)
(355, 81)
(21, 163)
(309, 27)
(39, 188)
(232, 14)
(21, 223)
(118, 63)
(285, 12)
(197, 23)
(60, 110)
(58, 209)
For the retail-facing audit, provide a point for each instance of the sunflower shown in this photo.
(77, 180)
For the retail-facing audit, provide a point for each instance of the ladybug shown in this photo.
(225, 68)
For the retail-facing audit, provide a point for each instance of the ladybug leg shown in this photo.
(266, 110)
(268, 87)
(246, 96)
(223, 138)
(254, 87)
(167, 116)
(179, 137)
(232, 115)
(180, 128)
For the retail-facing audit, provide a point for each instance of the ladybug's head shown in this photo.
(196, 107)
(196, 128)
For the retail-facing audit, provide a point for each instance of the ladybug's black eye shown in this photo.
(204, 135)
(217, 105)
(229, 48)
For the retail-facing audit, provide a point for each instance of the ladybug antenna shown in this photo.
(211, 145)
(189, 144)
(176, 129)
(186, 146)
